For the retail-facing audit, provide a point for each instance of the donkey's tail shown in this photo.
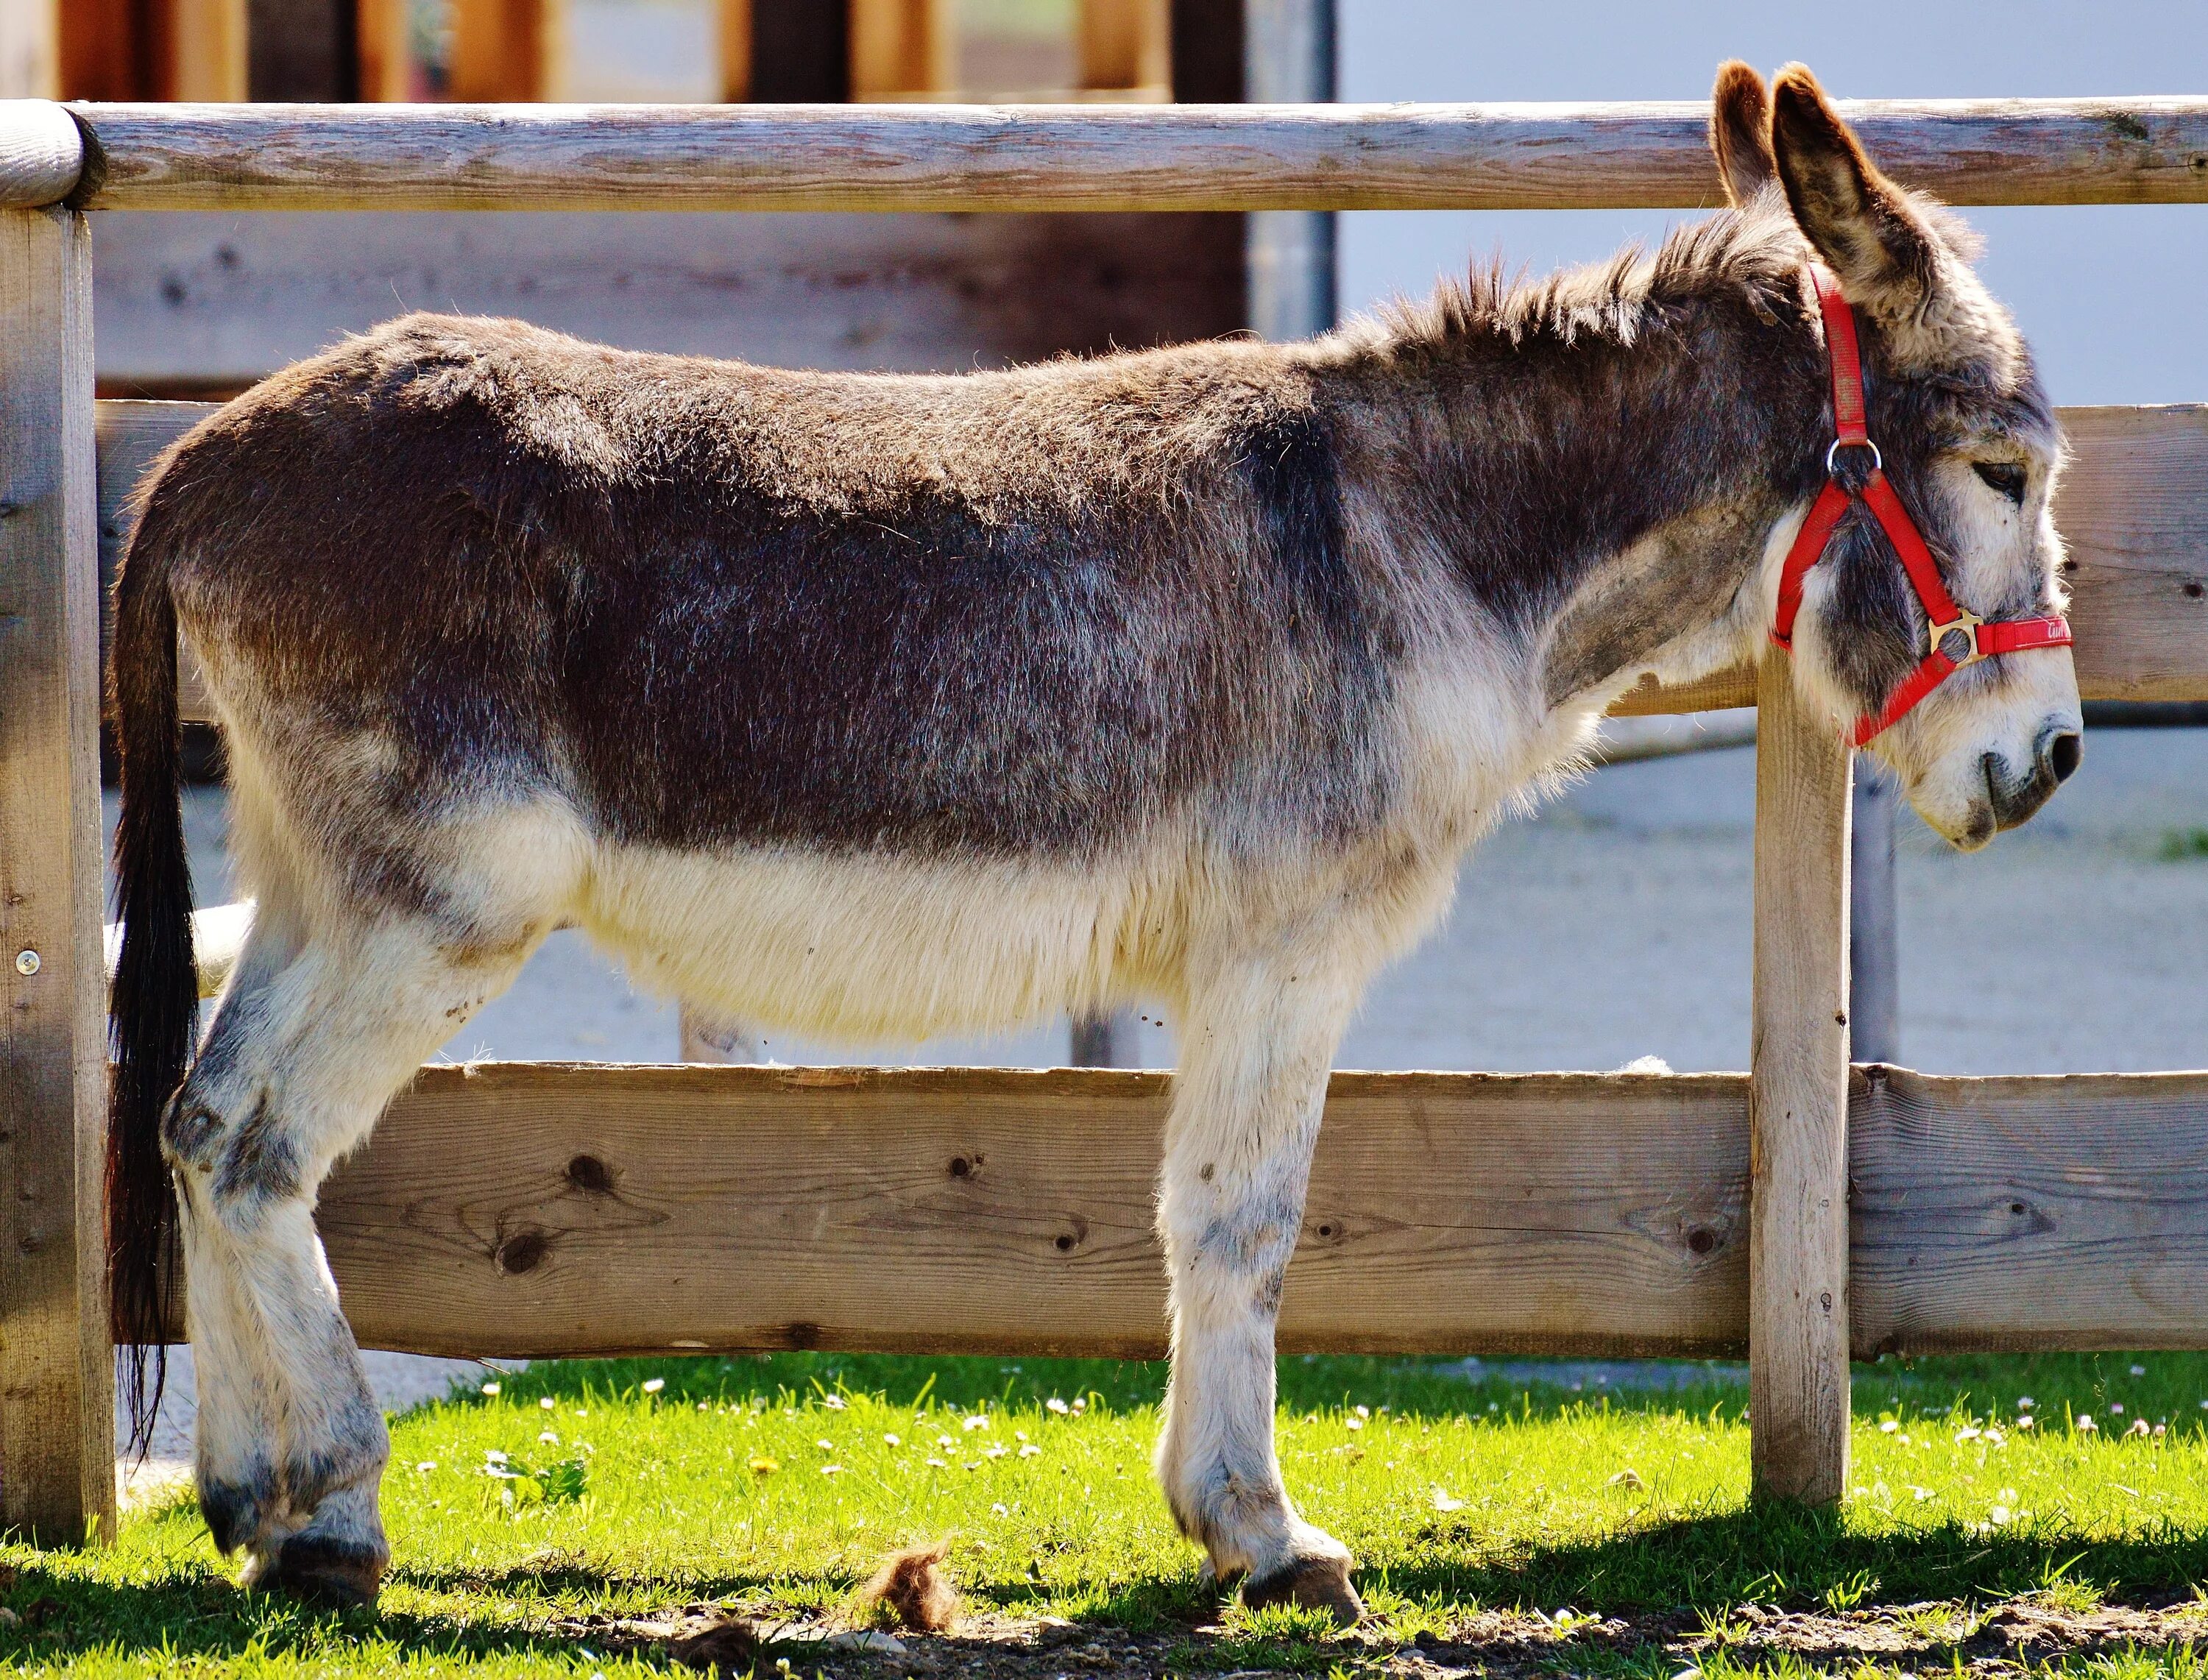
(153, 1007)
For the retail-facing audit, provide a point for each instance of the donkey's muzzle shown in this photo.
(2062, 753)
(2017, 800)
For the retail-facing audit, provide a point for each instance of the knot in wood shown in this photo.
(522, 1252)
(587, 1172)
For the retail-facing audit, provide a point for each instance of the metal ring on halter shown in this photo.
(1877, 460)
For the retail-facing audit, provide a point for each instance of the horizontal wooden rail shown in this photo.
(530, 1209)
(2134, 507)
(1346, 157)
(535, 1209)
(2050, 1212)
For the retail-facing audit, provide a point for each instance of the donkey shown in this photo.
(883, 706)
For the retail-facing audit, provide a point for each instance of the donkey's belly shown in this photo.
(858, 949)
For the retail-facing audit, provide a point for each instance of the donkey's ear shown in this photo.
(1887, 259)
(1740, 131)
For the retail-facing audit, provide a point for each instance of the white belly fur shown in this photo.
(860, 949)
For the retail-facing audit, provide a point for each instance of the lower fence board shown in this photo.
(538, 1209)
(2064, 1212)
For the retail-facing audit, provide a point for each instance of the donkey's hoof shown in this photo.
(237, 1512)
(1309, 1583)
(339, 1574)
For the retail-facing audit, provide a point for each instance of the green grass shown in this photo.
(2182, 843)
(1456, 1497)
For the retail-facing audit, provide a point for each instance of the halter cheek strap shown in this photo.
(1956, 637)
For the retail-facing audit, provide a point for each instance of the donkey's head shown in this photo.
(1965, 437)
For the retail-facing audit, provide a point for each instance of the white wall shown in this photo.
(2109, 295)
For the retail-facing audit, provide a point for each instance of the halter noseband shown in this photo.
(1958, 638)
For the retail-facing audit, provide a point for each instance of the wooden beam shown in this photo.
(57, 1374)
(209, 45)
(626, 1210)
(735, 44)
(1797, 1334)
(2029, 1213)
(2134, 507)
(502, 52)
(900, 48)
(1126, 47)
(596, 1210)
(41, 154)
(2133, 150)
(1721, 692)
(385, 63)
(202, 302)
(107, 52)
(2138, 549)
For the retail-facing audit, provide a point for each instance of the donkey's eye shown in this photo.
(2007, 476)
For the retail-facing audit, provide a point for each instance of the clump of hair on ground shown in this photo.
(910, 1591)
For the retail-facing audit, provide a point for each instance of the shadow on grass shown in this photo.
(1683, 1569)
(1788, 1557)
(61, 1615)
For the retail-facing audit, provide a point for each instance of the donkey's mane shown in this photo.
(1757, 251)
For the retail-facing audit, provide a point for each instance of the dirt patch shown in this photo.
(1990, 1640)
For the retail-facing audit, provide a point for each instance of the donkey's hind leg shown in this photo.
(1259, 1041)
(234, 1422)
(297, 1066)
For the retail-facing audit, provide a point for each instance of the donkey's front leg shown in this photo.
(1245, 1115)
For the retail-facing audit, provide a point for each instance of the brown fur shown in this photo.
(1860, 222)
(1740, 132)
(911, 1591)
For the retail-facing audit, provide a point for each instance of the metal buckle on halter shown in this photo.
(1877, 460)
(1965, 626)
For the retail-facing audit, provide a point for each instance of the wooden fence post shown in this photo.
(1798, 1254)
(57, 1354)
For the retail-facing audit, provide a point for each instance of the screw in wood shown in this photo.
(26, 964)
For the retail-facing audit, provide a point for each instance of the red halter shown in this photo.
(1957, 638)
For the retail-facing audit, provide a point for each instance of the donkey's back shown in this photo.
(710, 605)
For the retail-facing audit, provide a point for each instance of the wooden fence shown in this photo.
(1803, 1210)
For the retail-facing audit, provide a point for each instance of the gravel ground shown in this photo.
(1614, 925)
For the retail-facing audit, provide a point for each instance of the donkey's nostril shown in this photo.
(2063, 754)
